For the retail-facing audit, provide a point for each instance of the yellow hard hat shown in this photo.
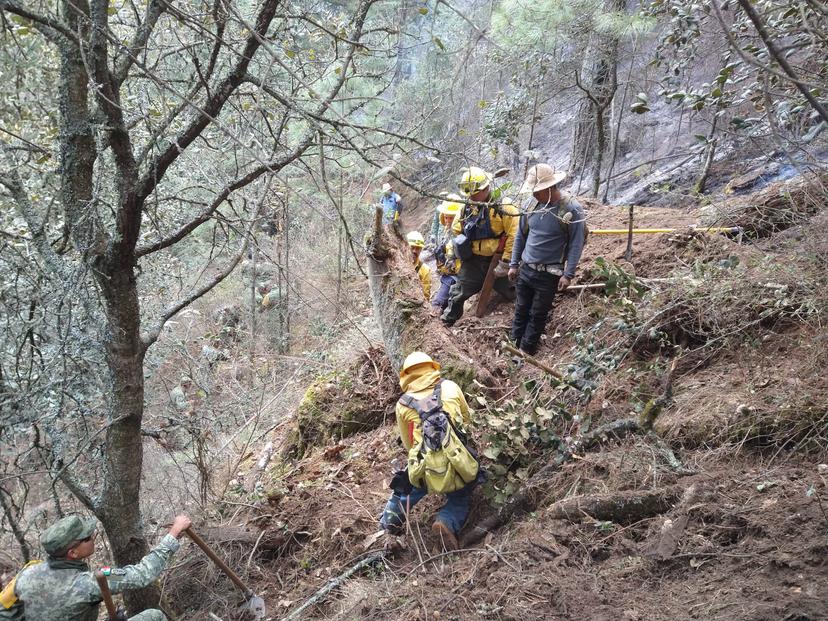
(451, 205)
(473, 179)
(415, 238)
(417, 358)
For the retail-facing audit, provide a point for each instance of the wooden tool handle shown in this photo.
(220, 563)
(111, 611)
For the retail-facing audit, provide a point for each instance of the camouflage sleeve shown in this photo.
(136, 576)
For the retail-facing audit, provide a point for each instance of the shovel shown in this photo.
(111, 611)
(253, 603)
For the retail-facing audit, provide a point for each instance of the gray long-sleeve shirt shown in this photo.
(548, 241)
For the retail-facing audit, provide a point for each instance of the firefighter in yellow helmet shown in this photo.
(447, 264)
(416, 243)
(423, 387)
(485, 225)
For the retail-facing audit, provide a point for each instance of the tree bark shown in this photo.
(402, 311)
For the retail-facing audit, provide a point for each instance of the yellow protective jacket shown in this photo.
(424, 272)
(506, 223)
(420, 382)
(452, 264)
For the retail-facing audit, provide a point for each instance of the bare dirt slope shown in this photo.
(740, 527)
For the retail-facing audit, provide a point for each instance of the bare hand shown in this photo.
(513, 274)
(179, 525)
(563, 283)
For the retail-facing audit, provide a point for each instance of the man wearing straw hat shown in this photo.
(391, 204)
(547, 248)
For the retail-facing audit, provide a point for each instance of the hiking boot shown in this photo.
(446, 539)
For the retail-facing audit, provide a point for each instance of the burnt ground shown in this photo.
(746, 540)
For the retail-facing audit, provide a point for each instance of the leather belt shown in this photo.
(556, 270)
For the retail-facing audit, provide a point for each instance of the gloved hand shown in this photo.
(513, 274)
(502, 269)
(400, 483)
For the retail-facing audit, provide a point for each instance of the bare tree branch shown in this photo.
(212, 107)
(155, 8)
(153, 333)
(48, 26)
(754, 17)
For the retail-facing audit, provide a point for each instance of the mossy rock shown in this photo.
(460, 373)
(331, 409)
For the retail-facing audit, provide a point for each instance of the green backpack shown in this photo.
(441, 462)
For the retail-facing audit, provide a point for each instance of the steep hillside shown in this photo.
(717, 513)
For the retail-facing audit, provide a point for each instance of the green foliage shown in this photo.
(616, 278)
(516, 435)
(683, 46)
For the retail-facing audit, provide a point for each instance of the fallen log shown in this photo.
(621, 508)
(527, 498)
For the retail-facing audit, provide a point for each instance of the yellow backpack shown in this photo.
(441, 462)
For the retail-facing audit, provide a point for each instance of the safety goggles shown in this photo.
(469, 187)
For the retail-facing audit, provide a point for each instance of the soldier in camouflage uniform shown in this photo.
(63, 588)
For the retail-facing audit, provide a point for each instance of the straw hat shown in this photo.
(540, 177)
(386, 187)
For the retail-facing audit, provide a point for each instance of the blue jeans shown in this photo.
(453, 514)
(441, 298)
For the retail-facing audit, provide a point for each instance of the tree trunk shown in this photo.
(118, 506)
(710, 153)
(402, 311)
(598, 71)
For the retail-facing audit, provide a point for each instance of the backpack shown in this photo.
(564, 215)
(475, 228)
(441, 462)
(11, 608)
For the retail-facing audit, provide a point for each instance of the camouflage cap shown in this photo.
(59, 536)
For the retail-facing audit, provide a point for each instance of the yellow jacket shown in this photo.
(424, 272)
(452, 264)
(507, 223)
(419, 382)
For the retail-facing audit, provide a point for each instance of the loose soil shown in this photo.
(747, 422)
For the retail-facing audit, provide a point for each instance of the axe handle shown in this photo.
(220, 563)
(111, 611)
(488, 282)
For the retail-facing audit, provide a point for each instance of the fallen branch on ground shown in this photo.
(335, 582)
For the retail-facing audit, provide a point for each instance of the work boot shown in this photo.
(446, 539)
